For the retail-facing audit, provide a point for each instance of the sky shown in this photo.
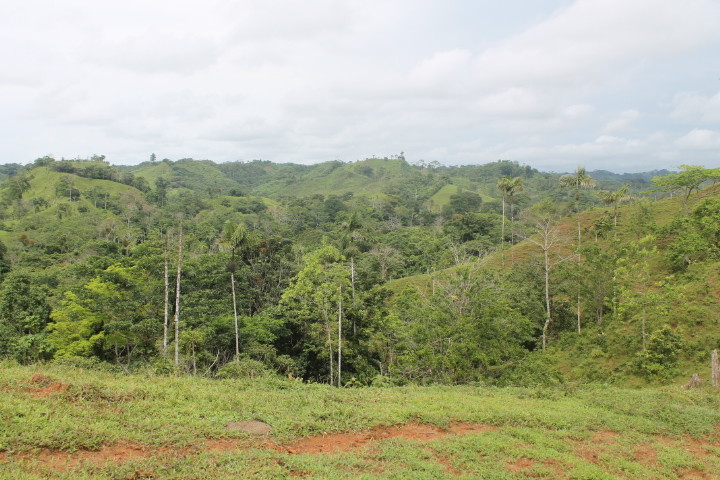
(621, 85)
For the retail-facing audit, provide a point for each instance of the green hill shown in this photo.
(196, 175)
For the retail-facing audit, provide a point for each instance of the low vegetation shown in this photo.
(63, 421)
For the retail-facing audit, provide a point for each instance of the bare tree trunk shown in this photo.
(352, 277)
(339, 361)
(352, 282)
(177, 298)
(330, 349)
(166, 322)
(547, 300)
(577, 210)
(237, 330)
(578, 312)
(512, 233)
(715, 369)
(502, 235)
(194, 362)
(644, 315)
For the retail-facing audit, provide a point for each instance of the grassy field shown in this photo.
(72, 423)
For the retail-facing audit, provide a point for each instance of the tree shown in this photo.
(543, 231)
(470, 328)
(314, 293)
(577, 181)
(351, 227)
(24, 313)
(615, 199)
(76, 330)
(16, 186)
(688, 180)
(639, 294)
(235, 237)
(176, 318)
(503, 184)
(508, 187)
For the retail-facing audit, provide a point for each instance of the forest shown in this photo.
(376, 272)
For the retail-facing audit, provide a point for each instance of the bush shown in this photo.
(661, 356)
(88, 363)
(244, 368)
(536, 370)
(382, 381)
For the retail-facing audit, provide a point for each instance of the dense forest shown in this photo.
(374, 272)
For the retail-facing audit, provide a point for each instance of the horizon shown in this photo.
(416, 163)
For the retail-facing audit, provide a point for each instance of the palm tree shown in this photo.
(515, 185)
(508, 187)
(350, 235)
(503, 184)
(578, 180)
(235, 237)
(615, 199)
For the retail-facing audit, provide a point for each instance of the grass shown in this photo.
(58, 421)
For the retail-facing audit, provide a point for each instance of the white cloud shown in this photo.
(700, 139)
(693, 107)
(325, 79)
(622, 121)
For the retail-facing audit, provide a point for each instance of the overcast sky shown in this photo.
(623, 85)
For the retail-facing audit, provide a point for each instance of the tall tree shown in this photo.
(166, 299)
(177, 295)
(508, 187)
(543, 231)
(615, 199)
(578, 181)
(235, 237)
(515, 185)
(503, 184)
(309, 303)
(350, 235)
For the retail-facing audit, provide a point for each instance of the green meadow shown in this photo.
(65, 422)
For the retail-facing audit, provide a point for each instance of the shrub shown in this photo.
(243, 368)
(661, 356)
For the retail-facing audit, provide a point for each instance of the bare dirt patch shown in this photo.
(40, 379)
(446, 464)
(591, 449)
(63, 461)
(56, 387)
(343, 442)
(520, 465)
(524, 466)
(646, 454)
(695, 474)
(223, 444)
(42, 386)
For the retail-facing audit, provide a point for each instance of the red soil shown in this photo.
(343, 442)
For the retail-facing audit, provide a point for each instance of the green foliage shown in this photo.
(24, 313)
(462, 202)
(99, 232)
(466, 331)
(76, 331)
(688, 180)
(538, 369)
(244, 368)
(661, 357)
